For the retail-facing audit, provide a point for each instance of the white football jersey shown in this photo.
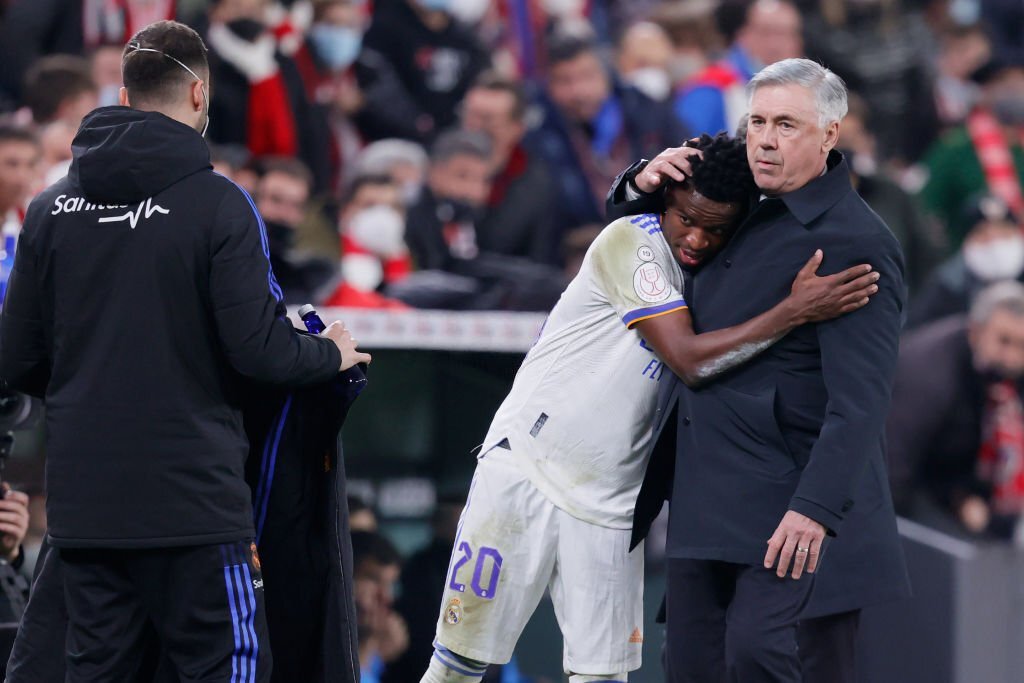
(580, 415)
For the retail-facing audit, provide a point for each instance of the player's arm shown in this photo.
(697, 358)
(24, 351)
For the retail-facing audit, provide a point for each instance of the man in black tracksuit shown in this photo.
(141, 294)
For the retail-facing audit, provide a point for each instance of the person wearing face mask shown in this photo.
(758, 32)
(985, 155)
(345, 111)
(957, 414)
(261, 102)
(436, 58)
(992, 251)
(645, 52)
(373, 249)
(141, 299)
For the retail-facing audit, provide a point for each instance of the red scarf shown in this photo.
(993, 150)
(1001, 456)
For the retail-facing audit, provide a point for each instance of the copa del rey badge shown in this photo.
(649, 280)
(453, 611)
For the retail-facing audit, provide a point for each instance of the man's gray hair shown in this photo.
(1003, 296)
(828, 88)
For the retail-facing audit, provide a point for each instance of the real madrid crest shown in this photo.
(453, 611)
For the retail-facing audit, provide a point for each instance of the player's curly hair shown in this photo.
(723, 175)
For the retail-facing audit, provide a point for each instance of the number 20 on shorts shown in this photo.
(484, 556)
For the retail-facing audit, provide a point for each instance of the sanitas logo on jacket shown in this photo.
(65, 204)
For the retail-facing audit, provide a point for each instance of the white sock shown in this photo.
(448, 667)
(606, 678)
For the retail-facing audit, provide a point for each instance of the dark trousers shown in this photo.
(828, 648)
(732, 623)
(201, 606)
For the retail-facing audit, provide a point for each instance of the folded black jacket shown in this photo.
(296, 475)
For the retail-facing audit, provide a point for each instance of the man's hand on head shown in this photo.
(798, 539)
(672, 164)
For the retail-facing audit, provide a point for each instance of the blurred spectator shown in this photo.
(519, 219)
(992, 251)
(282, 196)
(19, 174)
(1005, 20)
(383, 636)
(373, 249)
(403, 161)
(260, 100)
(920, 236)
(442, 225)
(344, 113)
(60, 88)
(593, 127)
(435, 57)
(33, 28)
(759, 32)
(963, 50)
(232, 162)
(984, 155)
(881, 49)
(691, 28)
(19, 178)
(645, 53)
(105, 64)
(360, 515)
(956, 429)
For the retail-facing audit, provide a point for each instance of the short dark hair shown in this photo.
(156, 78)
(723, 175)
(361, 181)
(369, 545)
(53, 80)
(289, 166)
(491, 80)
(565, 47)
(458, 142)
(12, 133)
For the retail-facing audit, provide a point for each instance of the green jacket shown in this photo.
(955, 177)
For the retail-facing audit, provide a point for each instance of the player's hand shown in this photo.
(672, 164)
(798, 538)
(822, 298)
(342, 338)
(13, 522)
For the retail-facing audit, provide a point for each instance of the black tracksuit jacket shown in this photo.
(141, 298)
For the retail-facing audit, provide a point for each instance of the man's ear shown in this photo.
(198, 98)
(122, 97)
(831, 137)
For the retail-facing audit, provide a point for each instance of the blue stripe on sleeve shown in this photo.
(641, 313)
(275, 288)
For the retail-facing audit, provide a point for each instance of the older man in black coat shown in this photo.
(783, 456)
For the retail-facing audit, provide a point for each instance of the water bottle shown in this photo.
(311, 319)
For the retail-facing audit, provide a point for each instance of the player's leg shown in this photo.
(598, 592)
(502, 561)
(106, 630)
(206, 603)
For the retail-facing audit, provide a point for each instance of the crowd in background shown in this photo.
(456, 154)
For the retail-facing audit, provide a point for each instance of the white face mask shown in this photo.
(1001, 259)
(379, 229)
(651, 81)
(362, 271)
(469, 11)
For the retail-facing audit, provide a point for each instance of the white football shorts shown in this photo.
(513, 543)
